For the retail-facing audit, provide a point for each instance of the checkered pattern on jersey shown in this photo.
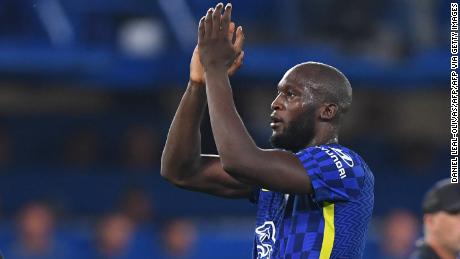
(322, 165)
(301, 234)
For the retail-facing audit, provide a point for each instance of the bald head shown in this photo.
(327, 83)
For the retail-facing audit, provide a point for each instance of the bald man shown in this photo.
(314, 196)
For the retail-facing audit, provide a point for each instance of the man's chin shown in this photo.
(281, 141)
(277, 141)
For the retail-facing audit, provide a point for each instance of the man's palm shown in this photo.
(196, 68)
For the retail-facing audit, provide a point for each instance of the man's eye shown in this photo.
(290, 94)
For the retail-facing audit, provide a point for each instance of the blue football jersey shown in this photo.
(329, 223)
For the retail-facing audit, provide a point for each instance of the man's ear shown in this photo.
(428, 221)
(328, 111)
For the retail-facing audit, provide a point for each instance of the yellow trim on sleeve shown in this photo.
(329, 231)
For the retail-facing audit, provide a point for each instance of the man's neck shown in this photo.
(325, 134)
(324, 140)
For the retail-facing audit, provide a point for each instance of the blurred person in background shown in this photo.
(309, 187)
(83, 148)
(178, 239)
(140, 148)
(36, 238)
(114, 237)
(400, 230)
(137, 205)
(5, 149)
(441, 223)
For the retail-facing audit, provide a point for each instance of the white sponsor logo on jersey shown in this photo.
(335, 153)
(266, 239)
(346, 158)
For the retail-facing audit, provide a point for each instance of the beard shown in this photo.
(297, 134)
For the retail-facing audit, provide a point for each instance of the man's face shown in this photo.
(445, 228)
(293, 116)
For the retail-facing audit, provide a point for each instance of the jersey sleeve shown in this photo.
(335, 174)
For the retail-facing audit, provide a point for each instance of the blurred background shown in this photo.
(88, 90)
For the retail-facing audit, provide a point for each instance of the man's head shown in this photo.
(115, 232)
(36, 225)
(307, 110)
(179, 237)
(400, 230)
(441, 207)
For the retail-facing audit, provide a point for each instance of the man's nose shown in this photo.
(276, 104)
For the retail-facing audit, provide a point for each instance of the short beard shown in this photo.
(298, 134)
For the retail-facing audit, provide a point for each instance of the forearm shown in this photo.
(233, 142)
(183, 144)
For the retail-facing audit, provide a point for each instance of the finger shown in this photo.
(216, 16)
(239, 59)
(231, 31)
(226, 18)
(239, 41)
(208, 23)
(236, 64)
(201, 30)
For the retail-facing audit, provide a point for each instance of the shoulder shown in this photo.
(331, 150)
(332, 156)
(336, 172)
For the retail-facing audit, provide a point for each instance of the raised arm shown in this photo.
(181, 161)
(271, 169)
